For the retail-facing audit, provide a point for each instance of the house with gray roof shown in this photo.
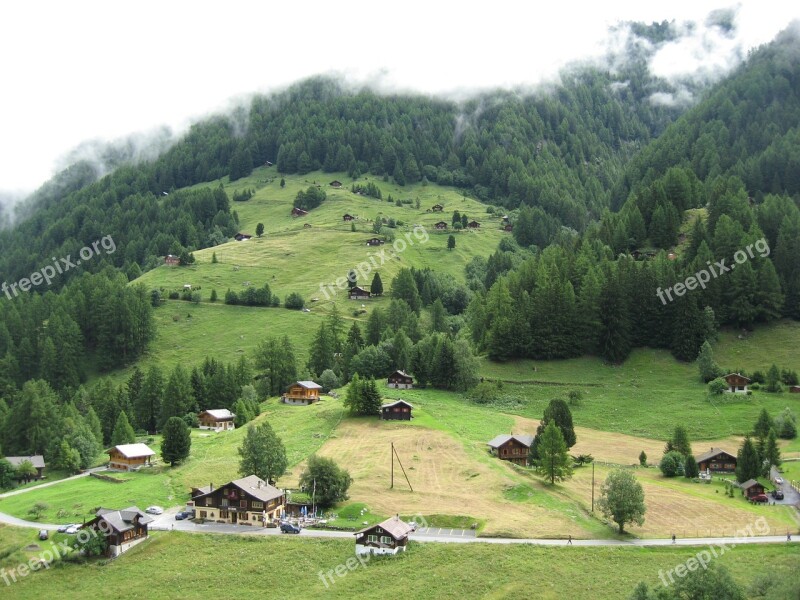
(513, 447)
(123, 529)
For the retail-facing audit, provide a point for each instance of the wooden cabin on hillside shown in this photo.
(752, 488)
(129, 457)
(374, 241)
(171, 260)
(399, 410)
(347, 217)
(220, 419)
(299, 212)
(400, 380)
(301, 393)
(387, 537)
(358, 293)
(737, 384)
(437, 208)
(123, 529)
(37, 460)
(513, 448)
(473, 225)
(441, 225)
(717, 460)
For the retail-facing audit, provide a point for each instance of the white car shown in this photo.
(63, 528)
(154, 510)
(72, 529)
(778, 481)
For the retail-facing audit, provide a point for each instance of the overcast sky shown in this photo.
(80, 70)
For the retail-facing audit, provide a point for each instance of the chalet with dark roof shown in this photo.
(717, 460)
(400, 380)
(374, 241)
(358, 293)
(246, 501)
(437, 208)
(752, 488)
(388, 537)
(123, 529)
(473, 225)
(508, 227)
(299, 212)
(301, 393)
(335, 184)
(399, 410)
(513, 448)
(240, 237)
(347, 217)
(737, 383)
(441, 225)
(171, 260)
(37, 460)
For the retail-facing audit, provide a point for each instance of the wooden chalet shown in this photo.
(299, 212)
(358, 293)
(240, 237)
(37, 460)
(508, 227)
(400, 380)
(441, 225)
(129, 457)
(246, 501)
(513, 448)
(717, 460)
(737, 384)
(751, 488)
(388, 537)
(437, 208)
(374, 242)
(301, 392)
(794, 389)
(399, 410)
(217, 419)
(171, 260)
(473, 225)
(306, 225)
(335, 184)
(347, 217)
(123, 529)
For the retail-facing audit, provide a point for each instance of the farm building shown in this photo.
(400, 380)
(299, 212)
(374, 242)
(751, 488)
(388, 537)
(335, 184)
(240, 237)
(508, 227)
(218, 419)
(172, 260)
(794, 389)
(246, 501)
(717, 460)
(399, 410)
(123, 529)
(37, 460)
(513, 448)
(737, 384)
(437, 208)
(441, 225)
(347, 217)
(358, 293)
(301, 392)
(129, 457)
(307, 225)
(473, 225)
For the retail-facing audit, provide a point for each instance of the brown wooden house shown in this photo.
(37, 460)
(399, 410)
(240, 237)
(473, 225)
(217, 419)
(751, 488)
(441, 225)
(400, 380)
(794, 389)
(358, 293)
(437, 208)
(301, 392)
(737, 384)
(246, 501)
(717, 460)
(129, 457)
(508, 227)
(388, 537)
(374, 242)
(347, 217)
(335, 184)
(171, 260)
(299, 212)
(122, 529)
(513, 448)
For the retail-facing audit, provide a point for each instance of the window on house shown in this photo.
(224, 502)
(257, 504)
(223, 514)
(373, 539)
(385, 539)
(209, 501)
(243, 503)
(203, 514)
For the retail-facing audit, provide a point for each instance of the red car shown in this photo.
(760, 498)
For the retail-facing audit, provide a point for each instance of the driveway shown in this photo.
(444, 532)
(49, 483)
(790, 495)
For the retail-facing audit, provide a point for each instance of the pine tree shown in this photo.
(553, 463)
(769, 297)
(123, 432)
(321, 354)
(213, 297)
(680, 441)
(705, 363)
(259, 229)
(748, 465)
(376, 289)
(690, 468)
(176, 442)
(773, 379)
(763, 425)
(404, 287)
(615, 342)
(772, 454)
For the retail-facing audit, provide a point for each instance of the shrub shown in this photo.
(294, 301)
(672, 464)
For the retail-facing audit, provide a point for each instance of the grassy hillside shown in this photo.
(167, 567)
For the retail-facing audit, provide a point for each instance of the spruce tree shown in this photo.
(376, 289)
(553, 463)
(705, 363)
(772, 454)
(690, 468)
(123, 432)
(176, 442)
(748, 465)
(680, 441)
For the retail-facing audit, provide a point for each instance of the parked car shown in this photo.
(72, 529)
(154, 510)
(760, 498)
(778, 481)
(184, 514)
(289, 528)
(777, 494)
(43, 534)
(63, 528)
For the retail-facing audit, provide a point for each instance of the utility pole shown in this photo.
(592, 486)
(391, 456)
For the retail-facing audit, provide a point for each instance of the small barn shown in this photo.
(399, 410)
(752, 488)
(387, 537)
(220, 419)
(358, 293)
(299, 212)
(37, 460)
(400, 380)
(374, 241)
(441, 225)
(717, 460)
(129, 457)
(306, 225)
(437, 208)
(171, 260)
(473, 225)
(737, 384)
(335, 184)
(347, 217)
(513, 448)
(301, 393)
(240, 237)
(123, 529)
(508, 227)
(794, 389)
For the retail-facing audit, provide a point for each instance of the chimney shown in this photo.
(211, 487)
(259, 484)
